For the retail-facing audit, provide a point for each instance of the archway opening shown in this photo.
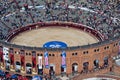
(96, 64)
(85, 66)
(18, 66)
(105, 61)
(7, 62)
(52, 70)
(29, 68)
(40, 70)
(74, 68)
(63, 69)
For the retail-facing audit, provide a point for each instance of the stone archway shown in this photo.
(28, 68)
(18, 66)
(105, 61)
(85, 66)
(96, 64)
(75, 67)
(63, 69)
(7, 63)
(52, 70)
(40, 70)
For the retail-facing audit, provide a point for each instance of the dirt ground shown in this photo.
(38, 37)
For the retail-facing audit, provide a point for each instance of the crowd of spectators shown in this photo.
(104, 16)
(101, 15)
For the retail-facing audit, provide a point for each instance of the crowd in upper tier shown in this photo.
(101, 15)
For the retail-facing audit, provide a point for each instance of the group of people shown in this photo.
(101, 15)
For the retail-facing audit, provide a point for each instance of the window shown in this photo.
(85, 52)
(108, 47)
(114, 45)
(49, 54)
(41, 54)
(105, 48)
(17, 52)
(72, 53)
(37, 54)
(29, 53)
(53, 55)
(98, 50)
(75, 53)
(26, 53)
(95, 50)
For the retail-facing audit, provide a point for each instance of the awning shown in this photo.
(14, 76)
(37, 77)
(2, 73)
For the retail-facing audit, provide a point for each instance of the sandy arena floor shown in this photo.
(71, 36)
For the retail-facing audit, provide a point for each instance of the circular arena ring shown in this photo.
(55, 31)
(59, 39)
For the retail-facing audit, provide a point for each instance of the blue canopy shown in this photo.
(14, 76)
(36, 77)
(55, 44)
(2, 73)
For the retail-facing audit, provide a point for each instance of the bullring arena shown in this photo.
(59, 40)
(70, 36)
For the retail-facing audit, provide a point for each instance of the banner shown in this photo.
(5, 53)
(37, 77)
(119, 47)
(55, 44)
(12, 59)
(1, 54)
(40, 62)
(64, 59)
(46, 59)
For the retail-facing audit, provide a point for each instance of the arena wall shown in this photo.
(77, 55)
